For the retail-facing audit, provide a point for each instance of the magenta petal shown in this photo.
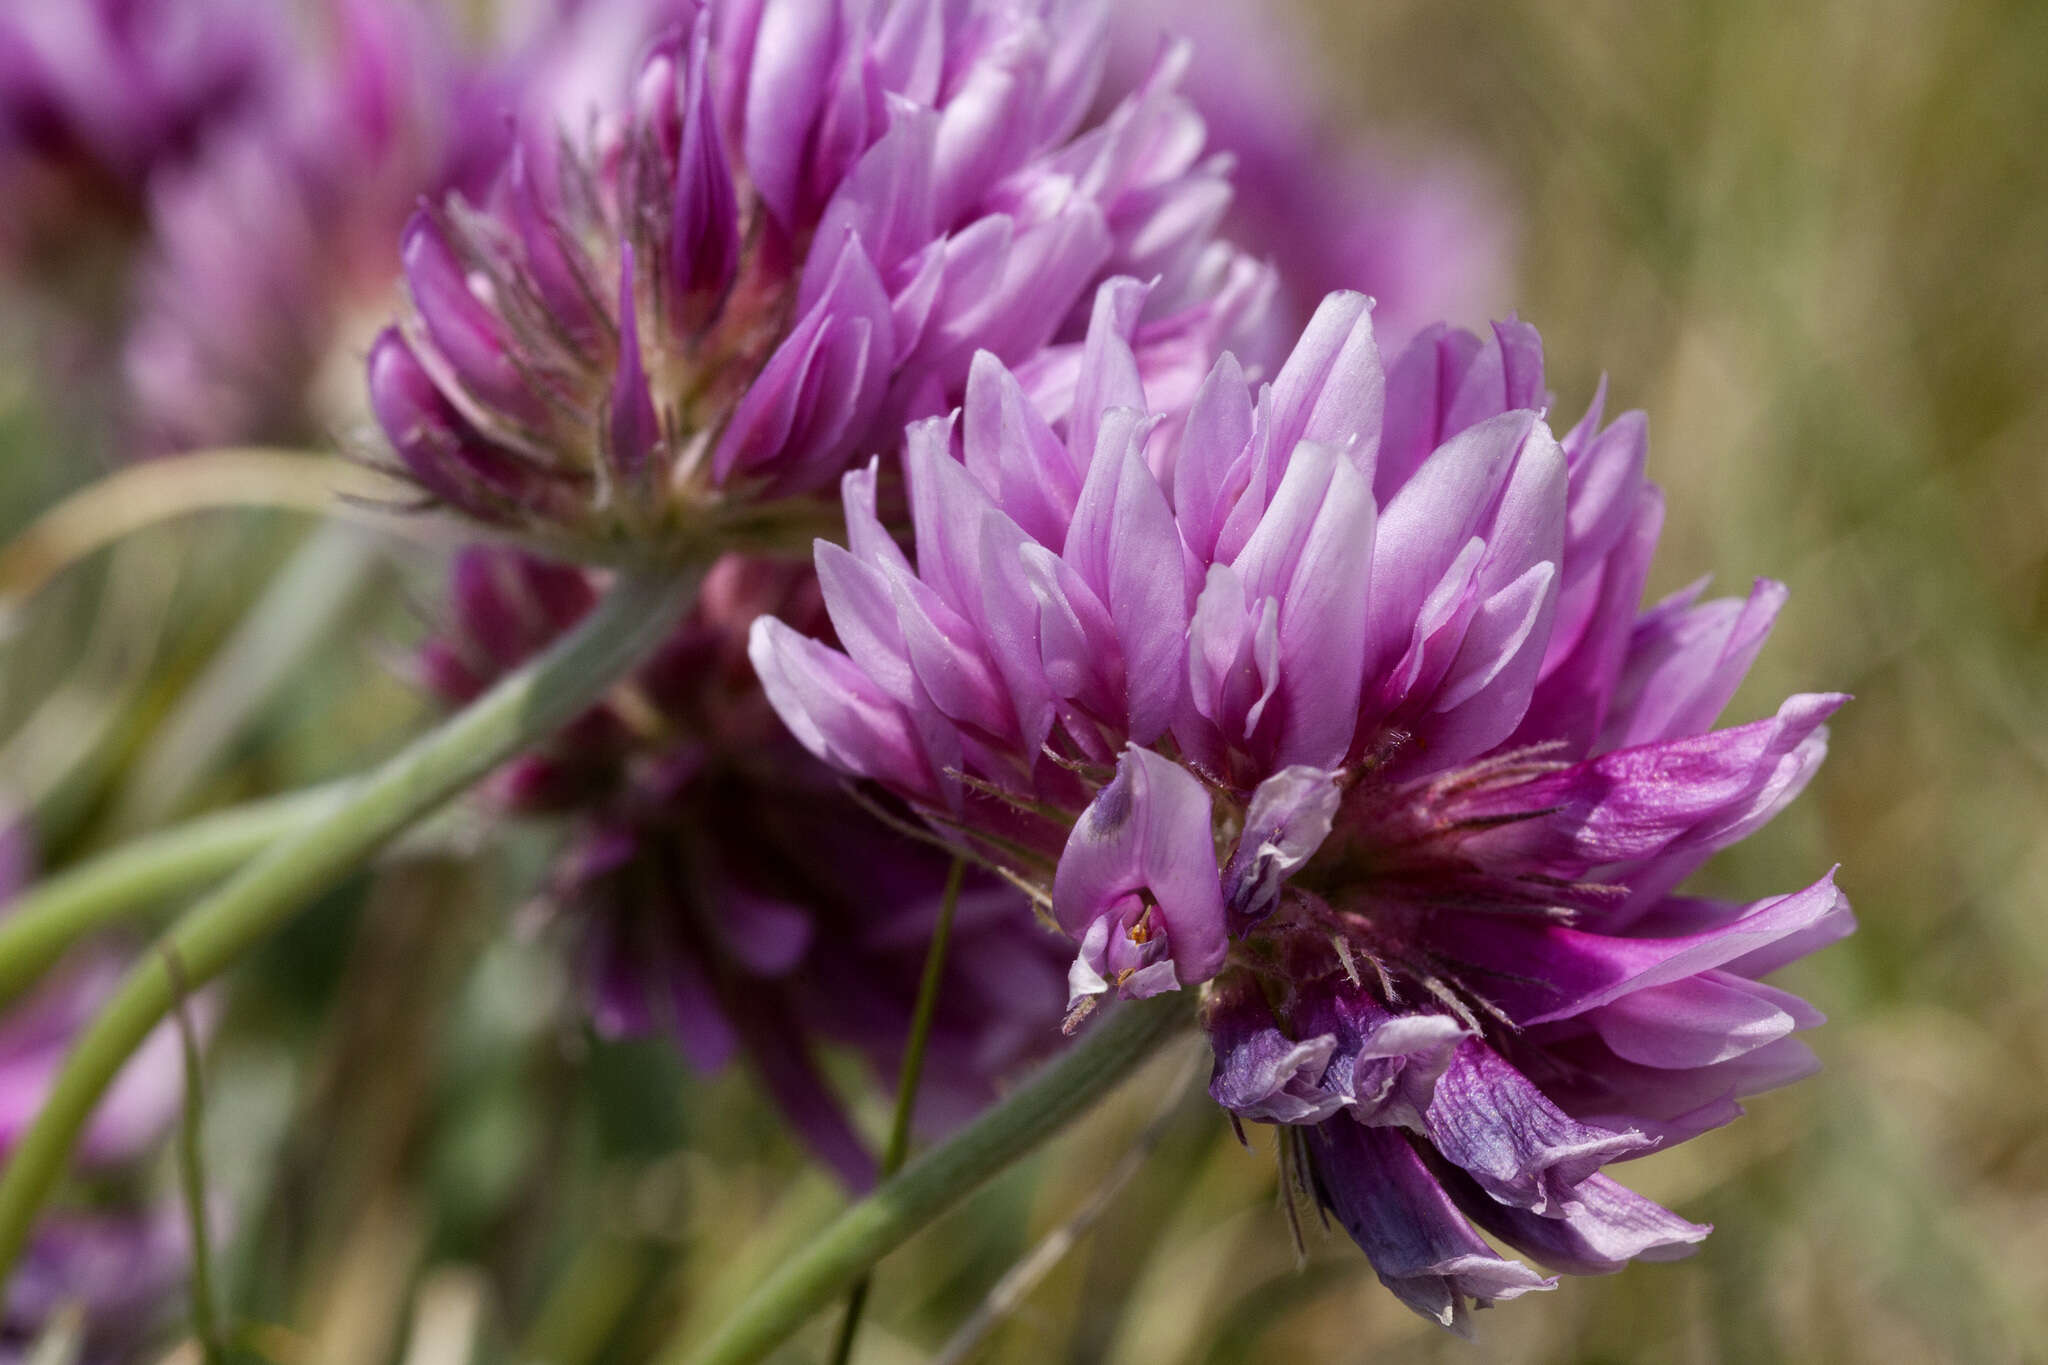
(1079, 656)
(887, 199)
(1419, 384)
(946, 654)
(462, 327)
(1699, 1021)
(1486, 691)
(439, 447)
(1505, 373)
(835, 711)
(1686, 796)
(1685, 662)
(1671, 1104)
(984, 123)
(1125, 546)
(822, 388)
(1332, 390)
(947, 505)
(1109, 371)
(704, 227)
(1217, 435)
(1312, 552)
(634, 428)
(1011, 610)
(553, 265)
(863, 615)
(792, 56)
(1014, 455)
(1579, 970)
(1426, 526)
(1569, 704)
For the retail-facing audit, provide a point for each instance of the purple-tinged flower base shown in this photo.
(1333, 697)
(791, 232)
(721, 887)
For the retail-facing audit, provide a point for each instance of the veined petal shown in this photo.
(1487, 1119)
(1417, 1241)
(1260, 1073)
(1606, 1226)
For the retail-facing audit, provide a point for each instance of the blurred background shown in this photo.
(1808, 239)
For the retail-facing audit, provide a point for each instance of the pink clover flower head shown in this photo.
(792, 231)
(1332, 696)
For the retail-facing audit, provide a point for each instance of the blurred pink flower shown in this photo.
(98, 98)
(274, 256)
(1397, 213)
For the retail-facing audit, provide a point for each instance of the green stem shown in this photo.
(192, 1172)
(522, 709)
(1066, 1088)
(907, 1081)
(48, 918)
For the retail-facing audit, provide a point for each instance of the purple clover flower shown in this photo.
(1333, 697)
(793, 233)
(705, 887)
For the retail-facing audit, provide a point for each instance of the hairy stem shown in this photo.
(522, 709)
(1060, 1093)
(192, 1173)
